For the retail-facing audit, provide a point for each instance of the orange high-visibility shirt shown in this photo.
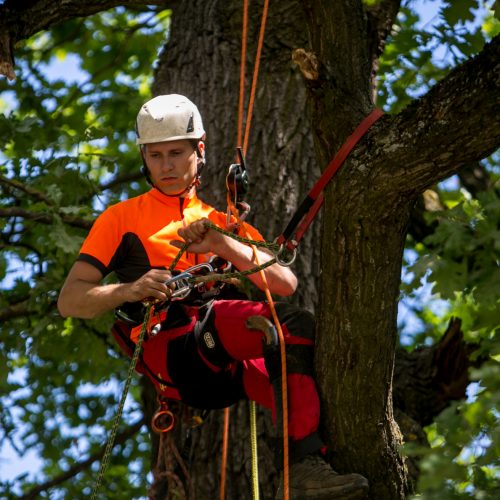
(134, 236)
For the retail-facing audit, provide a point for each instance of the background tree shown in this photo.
(69, 151)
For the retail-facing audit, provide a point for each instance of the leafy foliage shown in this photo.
(460, 261)
(418, 55)
(456, 268)
(69, 151)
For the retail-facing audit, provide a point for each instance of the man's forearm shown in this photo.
(88, 300)
(280, 279)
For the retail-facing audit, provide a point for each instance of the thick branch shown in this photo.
(85, 464)
(455, 124)
(338, 32)
(44, 218)
(381, 17)
(20, 20)
(427, 379)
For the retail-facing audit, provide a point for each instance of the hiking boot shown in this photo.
(313, 479)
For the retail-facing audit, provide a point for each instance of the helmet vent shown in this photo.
(190, 127)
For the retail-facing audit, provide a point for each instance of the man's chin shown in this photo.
(172, 190)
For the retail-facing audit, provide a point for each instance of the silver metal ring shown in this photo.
(282, 250)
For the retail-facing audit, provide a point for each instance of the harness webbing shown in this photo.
(311, 204)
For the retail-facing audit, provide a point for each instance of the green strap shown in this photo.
(118, 416)
(255, 454)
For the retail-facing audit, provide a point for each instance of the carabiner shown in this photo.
(181, 280)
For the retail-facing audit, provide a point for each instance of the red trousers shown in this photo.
(208, 358)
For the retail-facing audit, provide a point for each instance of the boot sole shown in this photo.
(353, 491)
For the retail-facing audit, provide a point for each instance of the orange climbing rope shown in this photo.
(241, 98)
(235, 213)
(225, 439)
(256, 67)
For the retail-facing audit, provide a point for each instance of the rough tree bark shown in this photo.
(368, 210)
(367, 207)
(366, 226)
(279, 159)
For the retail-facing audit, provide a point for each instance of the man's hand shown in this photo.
(83, 295)
(201, 239)
(150, 286)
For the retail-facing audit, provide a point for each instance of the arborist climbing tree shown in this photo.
(201, 345)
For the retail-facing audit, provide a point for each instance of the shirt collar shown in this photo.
(173, 201)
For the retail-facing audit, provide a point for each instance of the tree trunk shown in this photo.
(205, 66)
(281, 138)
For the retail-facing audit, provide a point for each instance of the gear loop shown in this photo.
(163, 420)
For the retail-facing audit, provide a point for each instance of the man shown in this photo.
(205, 355)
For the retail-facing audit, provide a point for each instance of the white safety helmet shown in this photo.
(168, 118)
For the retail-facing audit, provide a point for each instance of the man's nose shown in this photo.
(167, 163)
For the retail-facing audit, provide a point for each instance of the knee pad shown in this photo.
(208, 341)
(299, 322)
(299, 359)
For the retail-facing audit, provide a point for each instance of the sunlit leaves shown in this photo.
(459, 12)
(64, 137)
(418, 55)
(460, 262)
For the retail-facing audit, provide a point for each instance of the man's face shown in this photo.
(172, 165)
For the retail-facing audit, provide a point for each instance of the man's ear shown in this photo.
(201, 149)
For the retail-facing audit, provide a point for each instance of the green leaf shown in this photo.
(459, 11)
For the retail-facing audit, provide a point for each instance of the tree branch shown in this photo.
(20, 20)
(44, 218)
(81, 466)
(381, 17)
(344, 66)
(455, 124)
(34, 193)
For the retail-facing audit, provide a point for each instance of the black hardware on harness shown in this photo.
(237, 178)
